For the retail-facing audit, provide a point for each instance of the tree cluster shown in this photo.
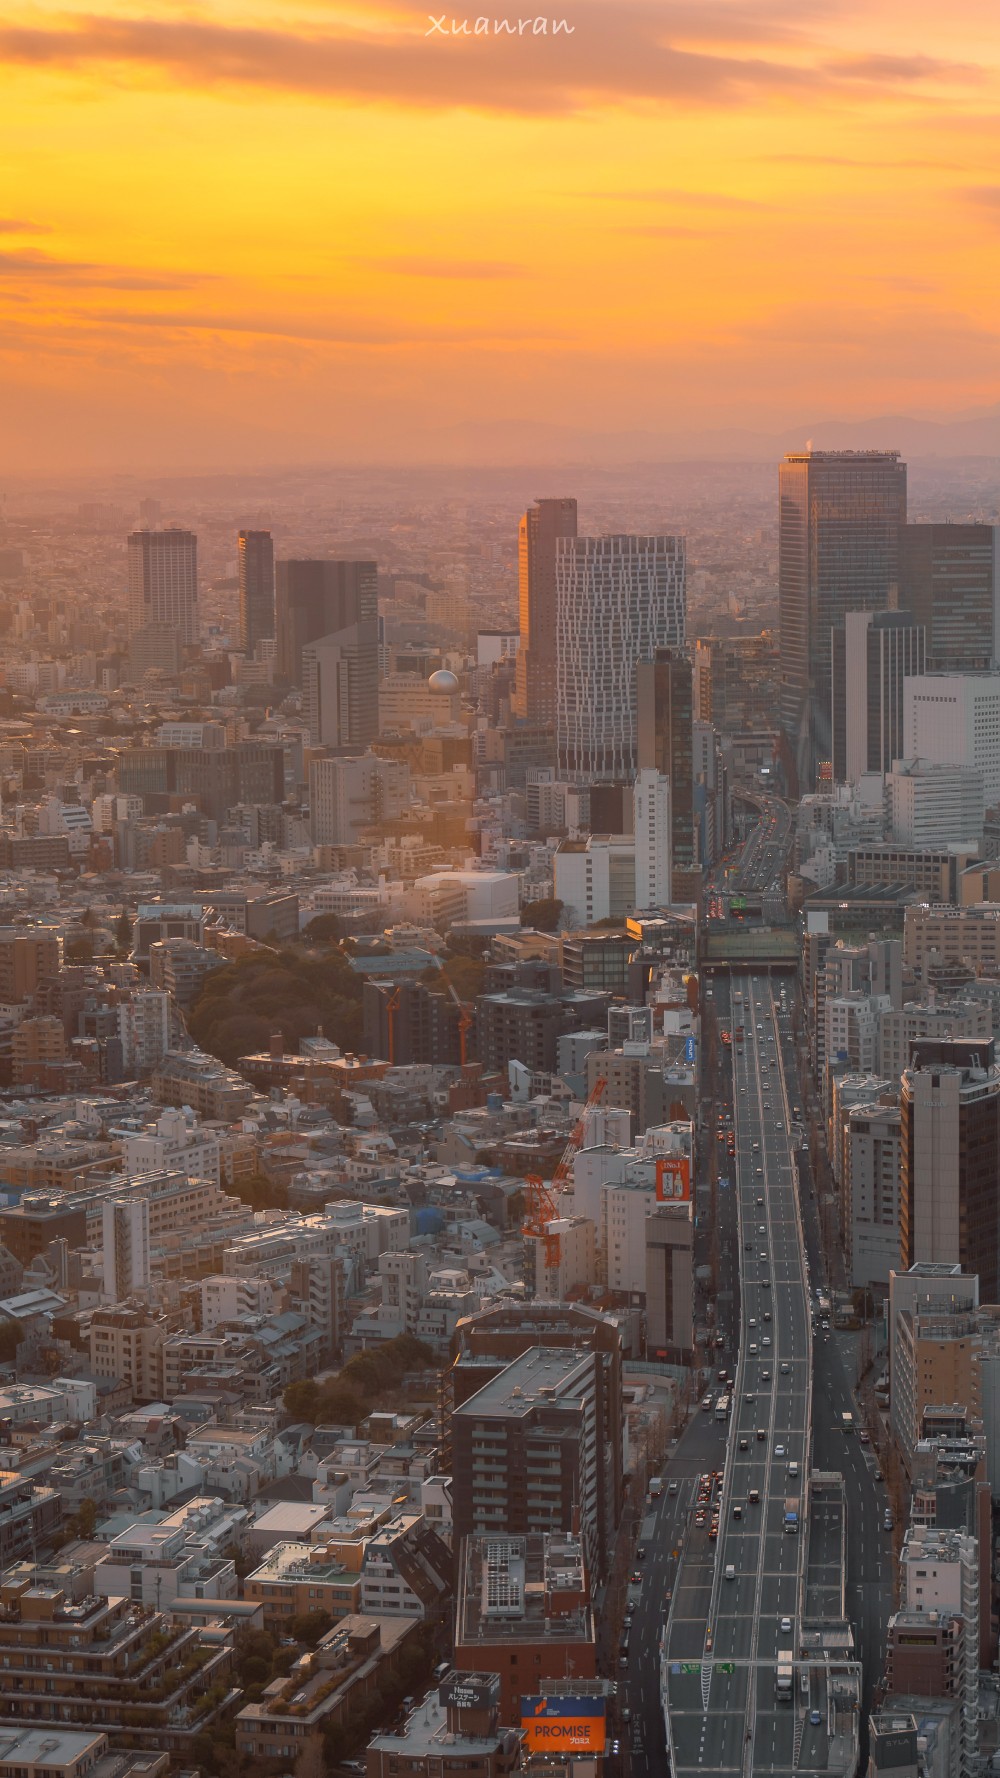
(242, 1004)
(359, 1386)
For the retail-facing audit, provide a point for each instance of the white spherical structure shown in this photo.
(443, 682)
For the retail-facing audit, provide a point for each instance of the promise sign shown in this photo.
(564, 1724)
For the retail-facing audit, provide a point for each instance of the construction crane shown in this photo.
(392, 1007)
(466, 1019)
(541, 1208)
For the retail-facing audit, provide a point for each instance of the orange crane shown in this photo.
(391, 1010)
(540, 1198)
(466, 1019)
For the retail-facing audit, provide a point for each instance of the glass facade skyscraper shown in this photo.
(840, 514)
(256, 562)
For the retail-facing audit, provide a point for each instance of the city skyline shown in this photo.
(330, 210)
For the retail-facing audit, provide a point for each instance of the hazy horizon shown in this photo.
(245, 235)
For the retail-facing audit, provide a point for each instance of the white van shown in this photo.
(730, 1571)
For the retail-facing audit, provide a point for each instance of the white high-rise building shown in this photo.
(348, 795)
(653, 863)
(929, 805)
(618, 599)
(163, 582)
(954, 719)
(125, 1241)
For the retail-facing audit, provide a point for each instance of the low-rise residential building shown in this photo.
(296, 1578)
(323, 1689)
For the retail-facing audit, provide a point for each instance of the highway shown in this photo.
(733, 1593)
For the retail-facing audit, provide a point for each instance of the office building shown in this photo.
(336, 691)
(939, 1576)
(524, 1611)
(540, 529)
(665, 736)
(736, 682)
(928, 806)
(935, 1348)
(256, 569)
(653, 860)
(346, 796)
(872, 654)
(950, 1158)
(618, 600)
(954, 719)
(320, 598)
(949, 577)
(839, 519)
(595, 878)
(670, 1282)
(871, 1148)
(163, 583)
(217, 778)
(125, 1246)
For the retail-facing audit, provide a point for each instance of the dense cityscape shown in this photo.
(500, 1123)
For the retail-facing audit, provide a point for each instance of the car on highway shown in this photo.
(636, 1578)
(785, 1626)
(765, 1376)
(640, 1554)
(815, 1718)
(779, 1450)
(754, 1496)
(672, 1489)
(744, 1444)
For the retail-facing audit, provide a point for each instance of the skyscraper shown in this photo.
(256, 558)
(953, 719)
(839, 520)
(336, 691)
(871, 656)
(665, 725)
(950, 1148)
(317, 598)
(163, 582)
(541, 527)
(949, 577)
(618, 600)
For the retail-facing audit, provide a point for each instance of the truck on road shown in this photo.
(783, 1677)
(791, 1515)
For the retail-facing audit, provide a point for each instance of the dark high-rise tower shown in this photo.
(256, 555)
(163, 583)
(840, 514)
(541, 527)
(949, 577)
(317, 599)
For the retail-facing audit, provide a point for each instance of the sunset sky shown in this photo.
(233, 233)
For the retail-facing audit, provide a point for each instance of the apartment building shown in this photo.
(87, 1662)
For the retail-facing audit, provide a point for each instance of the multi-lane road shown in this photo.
(739, 1596)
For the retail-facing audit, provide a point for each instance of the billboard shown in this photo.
(470, 1691)
(673, 1178)
(559, 1724)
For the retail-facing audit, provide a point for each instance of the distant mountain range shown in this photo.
(510, 441)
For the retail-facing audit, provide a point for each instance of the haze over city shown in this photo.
(499, 890)
(253, 234)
